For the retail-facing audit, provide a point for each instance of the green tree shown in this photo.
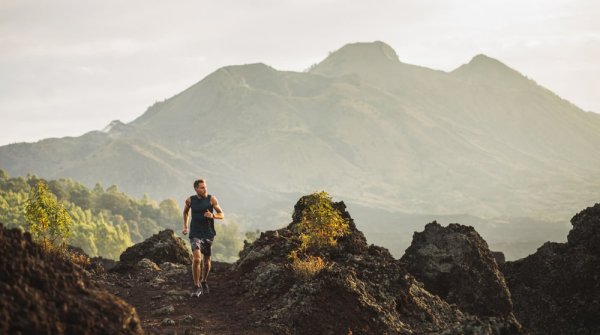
(170, 214)
(228, 243)
(251, 236)
(49, 222)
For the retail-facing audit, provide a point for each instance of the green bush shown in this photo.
(321, 224)
(49, 222)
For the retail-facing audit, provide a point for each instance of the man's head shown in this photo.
(200, 187)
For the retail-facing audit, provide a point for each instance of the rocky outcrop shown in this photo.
(159, 248)
(361, 289)
(455, 263)
(43, 293)
(557, 289)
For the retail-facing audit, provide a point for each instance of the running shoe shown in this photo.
(205, 288)
(196, 292)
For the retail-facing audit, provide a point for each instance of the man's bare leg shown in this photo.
(196, 268)
(206, 264)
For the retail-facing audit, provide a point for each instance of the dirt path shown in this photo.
(220, 312)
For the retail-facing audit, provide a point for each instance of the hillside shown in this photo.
(447, 282)
(482, 140)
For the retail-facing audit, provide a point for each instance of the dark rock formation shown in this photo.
(105, 263)
(557, 289)
(43, 293)
(159, 248)
(362, 289)
(455, 263)
(94, 264)
(499, 257)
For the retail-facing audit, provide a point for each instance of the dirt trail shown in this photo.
(220, 312)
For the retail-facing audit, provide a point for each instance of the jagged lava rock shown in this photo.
(362, 290)
(556, 290)
(455, 263)
(159, 248)
(43, 293)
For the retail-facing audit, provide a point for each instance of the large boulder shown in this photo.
(455, 263)
(556, 290)
(585, 235)
(45, 293)
(361, 289)
(159, 248)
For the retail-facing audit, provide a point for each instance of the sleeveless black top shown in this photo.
(200, 226)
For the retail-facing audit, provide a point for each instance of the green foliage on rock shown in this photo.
(320, 224)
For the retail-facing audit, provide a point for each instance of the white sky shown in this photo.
(68, 67)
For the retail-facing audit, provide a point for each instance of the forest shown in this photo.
(105, 222)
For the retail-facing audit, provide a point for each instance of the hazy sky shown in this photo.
(68, 67)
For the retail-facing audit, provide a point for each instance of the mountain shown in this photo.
(482, 140)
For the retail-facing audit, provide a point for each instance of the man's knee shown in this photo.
(197, 256)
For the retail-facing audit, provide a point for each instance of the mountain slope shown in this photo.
(482, 140)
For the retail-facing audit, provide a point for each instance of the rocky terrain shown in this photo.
(44, 293)
(448, 282)
(455, 263)
(557, 289)
(155, 277)
(362, 290)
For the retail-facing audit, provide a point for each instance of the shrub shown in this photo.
(307, 267)
(49, 223)
(320, 225)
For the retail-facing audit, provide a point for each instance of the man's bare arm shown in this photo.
(186, 211)
(215, 203)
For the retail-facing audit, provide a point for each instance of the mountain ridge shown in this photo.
(386, 135)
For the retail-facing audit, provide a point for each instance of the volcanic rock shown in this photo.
(556, 290)
(44, 293)
(159, 248)
(455, 263)
(105, 263)
(361, 289)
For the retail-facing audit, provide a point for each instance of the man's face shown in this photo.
(201, 189)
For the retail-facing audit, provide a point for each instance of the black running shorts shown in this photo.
(204, 244)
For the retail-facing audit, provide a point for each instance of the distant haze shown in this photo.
(68, 67)
(400, 144)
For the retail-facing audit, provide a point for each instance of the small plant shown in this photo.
(321, 225)
(79, 259)
(49, 222)
(307, 267)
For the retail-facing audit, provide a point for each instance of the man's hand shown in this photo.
(185, 230)
(208, 214)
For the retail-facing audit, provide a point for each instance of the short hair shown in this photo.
(198, 182)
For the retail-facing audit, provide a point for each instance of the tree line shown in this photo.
(103, 222)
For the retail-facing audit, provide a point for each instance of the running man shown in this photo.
(202, 232)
